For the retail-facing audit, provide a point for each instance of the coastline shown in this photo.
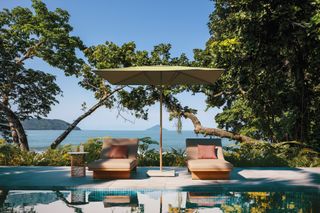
(40, 140)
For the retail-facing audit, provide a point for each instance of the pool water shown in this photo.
(124, 201)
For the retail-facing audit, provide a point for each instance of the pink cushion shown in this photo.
(207, 152)
(118, 151)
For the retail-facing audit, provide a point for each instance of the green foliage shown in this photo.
(55, 157)
(32, 92)
(146, 155)
(25, 34)
(93, 146)
(150, 157)
(144, 144)
(270, 50)
(264, 154)
(174, 157)
(239, 115)
(136, 99)
(40, 33)
(13, 155)
(258, 154)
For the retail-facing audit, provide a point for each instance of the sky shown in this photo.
(182, 23)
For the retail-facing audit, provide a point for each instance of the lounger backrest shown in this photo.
(132, 144)
(192, 146)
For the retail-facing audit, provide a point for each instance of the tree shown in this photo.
(26, 34)
(136, 99)
(22, 87)
(270, 50)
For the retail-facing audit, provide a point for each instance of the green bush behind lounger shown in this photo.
(259, 154)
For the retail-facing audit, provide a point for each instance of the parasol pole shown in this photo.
(160, 149)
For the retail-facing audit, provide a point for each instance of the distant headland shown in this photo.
(46, 124)
(156, 128)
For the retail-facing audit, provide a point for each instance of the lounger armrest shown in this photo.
(220, 153)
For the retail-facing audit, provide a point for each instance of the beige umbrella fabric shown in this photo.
(160, 76)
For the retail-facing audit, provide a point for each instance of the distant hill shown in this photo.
(46, 124)
(156, 128)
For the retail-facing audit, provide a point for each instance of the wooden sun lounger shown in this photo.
(207, 169)
(106, 168)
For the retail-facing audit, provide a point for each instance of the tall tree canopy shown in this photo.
(109, 55)
(271, 50)
(25, 34)
(135, 100)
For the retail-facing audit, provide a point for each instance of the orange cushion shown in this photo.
(207, 152)
(118, 151)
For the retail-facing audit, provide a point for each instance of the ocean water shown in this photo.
(41, 139)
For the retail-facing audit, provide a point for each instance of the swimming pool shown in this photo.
(154, 201)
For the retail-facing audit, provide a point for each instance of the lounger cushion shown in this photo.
(206, 152)
(209, 165)
(118, 151)
(131, 143)
(112, 164)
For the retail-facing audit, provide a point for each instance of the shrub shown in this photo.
(55, 157)
(150, 157)
(263, 154)
(11, 154)
(258, 154)
(147, 156)
(93, 146)
(2, 141)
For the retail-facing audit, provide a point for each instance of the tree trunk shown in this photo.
(74, 124)
(302, 99)
(80, 118)
(15, 124)
(199, 129)
(3, 197)
(13, 131)
(10, 120)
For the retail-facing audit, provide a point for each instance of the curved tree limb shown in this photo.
(199, 129)
(83, 116)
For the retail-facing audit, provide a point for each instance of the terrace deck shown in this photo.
(51, 178)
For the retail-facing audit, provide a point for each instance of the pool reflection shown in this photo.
(156, 201)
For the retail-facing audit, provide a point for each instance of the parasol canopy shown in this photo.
(160, 76)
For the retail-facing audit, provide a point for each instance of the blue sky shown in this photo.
(183, 23)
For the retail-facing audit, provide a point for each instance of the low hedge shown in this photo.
(258, 154)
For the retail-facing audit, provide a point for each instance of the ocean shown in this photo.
(40, 140)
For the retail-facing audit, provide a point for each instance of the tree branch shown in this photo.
(199, 129)
(29, 53)
(83, 116)
(119, 114)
